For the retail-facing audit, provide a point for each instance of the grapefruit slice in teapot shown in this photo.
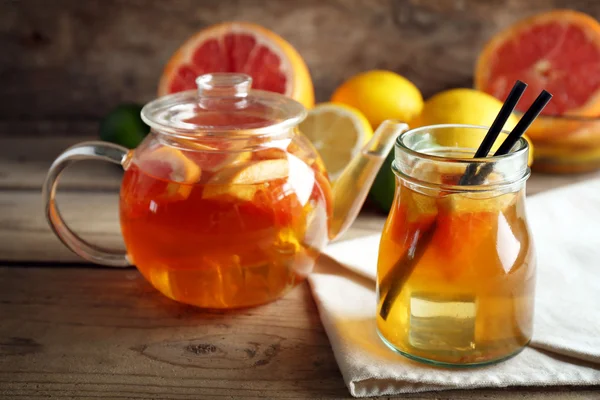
(171, 166)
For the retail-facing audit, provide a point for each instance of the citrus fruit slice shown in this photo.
(213, 156)
(273, 63)
(241, 181)
(476, 202)
(459, 235)
(381, 95)
(170, 164)
(338, 132)
(558, 51)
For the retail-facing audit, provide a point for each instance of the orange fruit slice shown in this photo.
(213, 156)
(241, 182)
(170, 164)
(273, 63)
(558, 51)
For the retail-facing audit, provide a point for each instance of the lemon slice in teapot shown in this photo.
(241, 181)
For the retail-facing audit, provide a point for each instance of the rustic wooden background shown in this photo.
(65, 63)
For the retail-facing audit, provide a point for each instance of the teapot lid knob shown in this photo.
(223, 85)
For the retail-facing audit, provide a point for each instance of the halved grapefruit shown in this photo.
(273, 63)
(558, 51)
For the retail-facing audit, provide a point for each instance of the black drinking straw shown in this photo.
(492, 134)
(392, 283)
(513, 137)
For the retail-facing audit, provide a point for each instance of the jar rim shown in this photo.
(522, 146)
(513, 165)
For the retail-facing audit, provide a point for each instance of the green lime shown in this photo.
(384, 186)
(124, 126)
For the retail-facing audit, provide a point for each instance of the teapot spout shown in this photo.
(351, 188)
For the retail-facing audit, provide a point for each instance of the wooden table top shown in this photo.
(72, 330)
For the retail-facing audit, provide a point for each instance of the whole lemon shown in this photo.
(381, 95)
(464, 106)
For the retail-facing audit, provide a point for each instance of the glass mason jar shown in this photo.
(456, 268)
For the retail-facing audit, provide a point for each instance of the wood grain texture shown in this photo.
(74, 333)
(65, 63)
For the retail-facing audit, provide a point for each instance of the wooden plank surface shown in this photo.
(67, 62)
(100, 333)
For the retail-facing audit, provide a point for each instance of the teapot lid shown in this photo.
(223, 103)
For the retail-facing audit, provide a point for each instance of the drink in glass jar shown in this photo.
(456, 269)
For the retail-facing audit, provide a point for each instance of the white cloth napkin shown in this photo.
(565, 349)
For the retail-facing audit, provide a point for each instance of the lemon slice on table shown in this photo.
(338, 132)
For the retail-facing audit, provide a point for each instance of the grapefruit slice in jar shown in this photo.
(273, 63)
(172, 166)
(558, 51)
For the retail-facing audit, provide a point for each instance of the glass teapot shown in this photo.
(225, 203)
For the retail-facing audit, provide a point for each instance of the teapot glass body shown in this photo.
(225, 228)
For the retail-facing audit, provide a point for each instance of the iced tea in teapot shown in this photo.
(225, 229)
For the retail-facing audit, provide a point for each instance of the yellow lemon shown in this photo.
(381, 95)
(338, 132)
(464, 106)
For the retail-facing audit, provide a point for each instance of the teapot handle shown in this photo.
(84, 151)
